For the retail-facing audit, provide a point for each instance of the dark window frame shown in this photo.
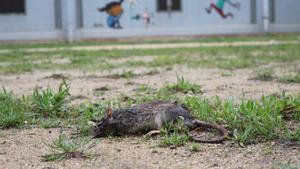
(21, 10)
(166, 9)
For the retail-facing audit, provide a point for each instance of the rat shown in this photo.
(149, 118)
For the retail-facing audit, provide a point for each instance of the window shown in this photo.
(272, 11)
(168, 5)
(253, 16)
(12, 6)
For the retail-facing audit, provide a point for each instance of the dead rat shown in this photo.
(149, 118)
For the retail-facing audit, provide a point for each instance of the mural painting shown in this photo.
(146, 17)
(114, 10)
(219, 8)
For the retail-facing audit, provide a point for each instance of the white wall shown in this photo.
(39, 20)
(287, 11)
(39, 16)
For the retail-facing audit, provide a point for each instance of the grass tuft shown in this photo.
(251, 120)
(47, 103)
(264, 75)
(125, 74)
(174, 134)
(12, 110)
(194, 147)
(290, 78)
(88, 113)
(183, 86)
(63, 148)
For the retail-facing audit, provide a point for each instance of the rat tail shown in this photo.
(206, 125)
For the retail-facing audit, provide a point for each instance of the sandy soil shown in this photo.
(24, 148)
(234, 84)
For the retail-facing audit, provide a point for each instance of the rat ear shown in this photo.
(109, 112)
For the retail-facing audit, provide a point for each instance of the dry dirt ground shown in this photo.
(23, 148)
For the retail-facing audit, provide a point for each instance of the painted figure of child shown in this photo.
(219, 7)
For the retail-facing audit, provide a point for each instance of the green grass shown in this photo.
(46, 103)
(64, 148)
(290, 78)
(194, 147)
(183, 86)
(251, 120)
(174, 139)
(86, 114)
(125, 74)
(158, 40)
(269, 118)
(221, 57)
(12, 110)
(264, 75)
(269, 75)
(174, 134)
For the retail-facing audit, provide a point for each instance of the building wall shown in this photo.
(287, 11)
(80, 19)
(193, 14)
(191, 20)
(39, 15)
(286, 16)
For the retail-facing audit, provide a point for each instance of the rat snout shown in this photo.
(98, 130)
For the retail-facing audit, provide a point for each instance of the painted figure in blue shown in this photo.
(219, 7)
(114, 10)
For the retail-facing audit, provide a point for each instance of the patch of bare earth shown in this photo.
(235, 84)
(24, 148)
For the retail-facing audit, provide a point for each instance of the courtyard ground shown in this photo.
(234, 70)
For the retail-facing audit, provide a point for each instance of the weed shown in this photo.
(250, 120)
(88, 113)
(174, 134)
(226, 74)
(174, 139)
(50, 123)
(294, 135)
(183, 86)
(264, 75)
(290, 78)
(47, 103)
(12, 110)
(64, 148)
(125, 74)
(194, 147)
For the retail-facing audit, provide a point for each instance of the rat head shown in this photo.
(106, 126)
